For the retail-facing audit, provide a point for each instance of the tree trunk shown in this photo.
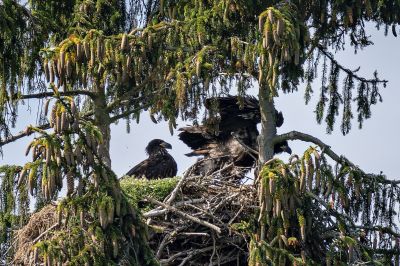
(102, 120)
(268, 125)
(265, 140)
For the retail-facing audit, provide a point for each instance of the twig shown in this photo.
(173, 194)
(236, 215)
(185, 215)
(214, 250)
(164, 242)
(206, 213)
(158, 212)
(194, 234)
(44, 233)
(224, 200)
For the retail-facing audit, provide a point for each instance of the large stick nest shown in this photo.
(38, 228)
(197, 223)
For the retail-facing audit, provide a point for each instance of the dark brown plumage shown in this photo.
(234, 114)
(160, 163)
(220, 141)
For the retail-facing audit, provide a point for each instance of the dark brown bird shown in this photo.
(160, 163)
(229, 136)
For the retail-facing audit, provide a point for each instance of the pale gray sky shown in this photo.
(374, 148)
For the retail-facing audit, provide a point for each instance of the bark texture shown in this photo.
(268, 125)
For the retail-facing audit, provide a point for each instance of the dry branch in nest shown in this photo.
(197, 225)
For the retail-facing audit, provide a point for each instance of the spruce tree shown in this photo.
(92, 63)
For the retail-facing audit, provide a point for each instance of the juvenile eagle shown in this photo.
(230, 138)
(160, 163)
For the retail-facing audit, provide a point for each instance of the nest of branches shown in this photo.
(199, 222)
(39, 225)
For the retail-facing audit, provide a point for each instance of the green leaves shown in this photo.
(313, 205)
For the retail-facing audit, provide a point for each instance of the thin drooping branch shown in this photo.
(295, 135)
(129, 94)
(127, 113)
(184, 215)
(52, 94)
(331, 210)
(348, 71)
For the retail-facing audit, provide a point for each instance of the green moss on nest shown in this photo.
(137, 189)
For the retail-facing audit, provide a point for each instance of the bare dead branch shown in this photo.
(45, 232)
(159, 212)
(164, 242)
(173, 194)
(184, 215)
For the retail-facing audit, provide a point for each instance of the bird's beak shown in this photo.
(287, 149)
(166, 145)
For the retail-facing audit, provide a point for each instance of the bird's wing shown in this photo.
(196, 137)
(235, 112)
(140, 169)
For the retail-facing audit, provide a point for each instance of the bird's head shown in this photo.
(282, 147)
(157, 145)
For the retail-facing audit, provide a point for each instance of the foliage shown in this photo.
(185, 48)
(313, 213)
(137, 189)
(105, 60)
(8, 203)
(74, 151)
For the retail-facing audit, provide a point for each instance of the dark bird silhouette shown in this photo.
(160, 163)
(229, 136)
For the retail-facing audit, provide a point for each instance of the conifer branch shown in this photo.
(349, 71)
(295, 135)
(128, 95)
(22, 134)
(52, 94)
(127, 113)
(27, 133)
